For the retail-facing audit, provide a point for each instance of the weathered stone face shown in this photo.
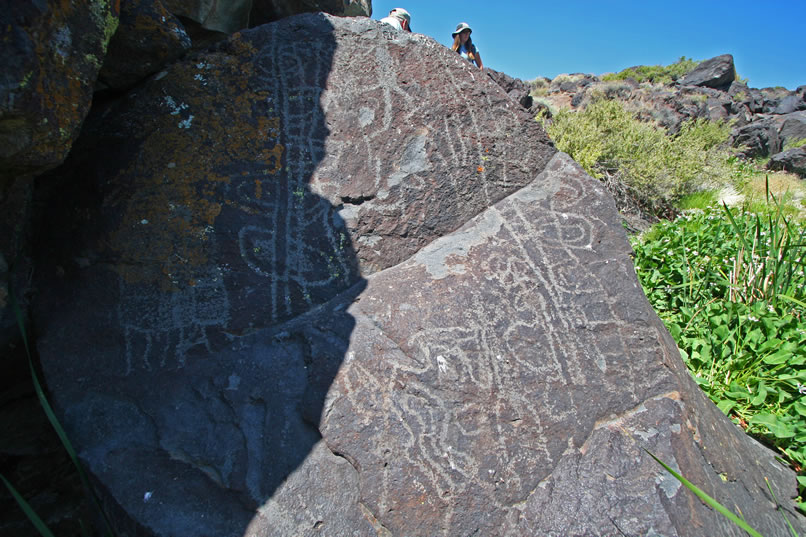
(52, 52)
(329, 279)
(793, 160)
(148, 38)
(758, 138)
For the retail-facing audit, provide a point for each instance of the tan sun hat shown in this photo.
(461, 27)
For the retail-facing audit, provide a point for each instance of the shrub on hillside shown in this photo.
(615, 147)
(795, 144)
(658, 74)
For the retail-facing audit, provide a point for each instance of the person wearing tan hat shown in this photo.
(464, 45)
(399, 19)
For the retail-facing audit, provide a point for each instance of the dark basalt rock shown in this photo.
(758, 139)
(52, 52)
(264, 11)
(792, 160)
(792, 127)
(718, 72)
(789, 104)
(147, 39)
(326, 279)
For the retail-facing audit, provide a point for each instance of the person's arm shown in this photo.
(478, 60)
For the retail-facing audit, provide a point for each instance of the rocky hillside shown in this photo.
(766, 122)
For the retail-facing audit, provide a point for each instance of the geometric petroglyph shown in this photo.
(471, 358)
(160, 329)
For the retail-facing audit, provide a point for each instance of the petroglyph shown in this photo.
(160, 334)
(527, 308)
(499, 367)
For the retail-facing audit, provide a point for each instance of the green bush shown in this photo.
(795, 143)
(658, 74)
(731, 290)
(611, 144)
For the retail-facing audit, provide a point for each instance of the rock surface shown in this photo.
(264, 11)
(718, 73)
(792, 160)
(148, 38)
(792, 127)
(326, 279)
(758, 139)
(52, 52)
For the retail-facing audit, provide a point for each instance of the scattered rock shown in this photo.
(792, 160)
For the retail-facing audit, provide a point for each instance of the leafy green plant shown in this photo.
(730, 288)
(657, 74)
(767, 260)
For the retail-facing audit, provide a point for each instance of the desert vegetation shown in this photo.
(660, 74)
(643, 166)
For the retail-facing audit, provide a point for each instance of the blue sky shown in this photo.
(527, 39)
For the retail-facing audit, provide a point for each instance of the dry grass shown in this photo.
(785, 186)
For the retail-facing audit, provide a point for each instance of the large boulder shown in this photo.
(325, 279)
(517, 89)
(208, 22)
(791, 127)
(221, 17)
(757, 139)
(148, 38)
(52, 52)
(791, 103)
(792, 160)
(718, 73)
(264, 11)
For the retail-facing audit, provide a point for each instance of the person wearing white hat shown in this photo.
(464, 45)
(399, 19)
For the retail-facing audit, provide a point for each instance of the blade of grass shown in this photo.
(43, 401)
(724, 511)
(778, 506)
(41, 527)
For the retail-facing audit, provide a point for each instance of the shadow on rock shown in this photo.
(192, 291)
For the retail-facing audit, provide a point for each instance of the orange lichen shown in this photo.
(177, 176)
